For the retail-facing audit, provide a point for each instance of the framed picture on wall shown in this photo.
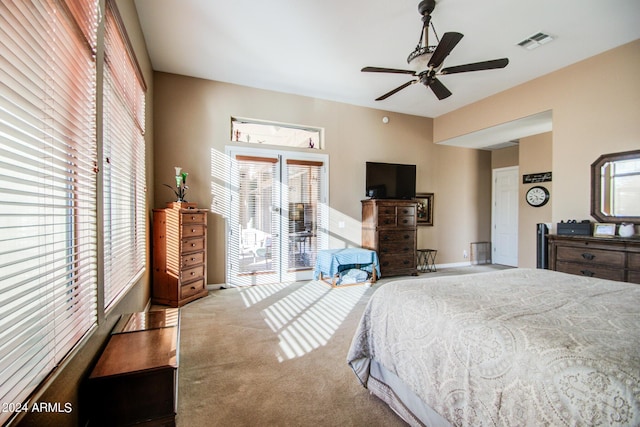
(425, 208)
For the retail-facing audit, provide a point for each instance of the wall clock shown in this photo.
(537, 196)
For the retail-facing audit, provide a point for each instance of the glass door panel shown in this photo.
(303, 179)
(278, 216)
(253, 249)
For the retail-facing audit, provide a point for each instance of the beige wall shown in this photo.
(192, 129)
(68, 381)
(505, 157)
(535, 155)
(595, 106)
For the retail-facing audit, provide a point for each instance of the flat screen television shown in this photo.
(390, 181)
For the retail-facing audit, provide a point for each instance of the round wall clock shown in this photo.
(537, 196)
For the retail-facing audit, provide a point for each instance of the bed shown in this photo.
(515, 347)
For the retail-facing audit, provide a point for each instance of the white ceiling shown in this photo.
(317, 48)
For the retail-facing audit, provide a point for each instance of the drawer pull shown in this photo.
(193, 230)
(406, 236)
(405, 262)
(193, 217)
(406, 211)
(405, 221)
(193, 244)
(587, 273)
(193, 273)
(588, 256)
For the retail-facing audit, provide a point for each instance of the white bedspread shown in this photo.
(509, 348)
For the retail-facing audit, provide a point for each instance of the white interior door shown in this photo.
(277, 215)
(504, 236)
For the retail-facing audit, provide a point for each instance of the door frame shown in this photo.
(515, 170)
(283, 274)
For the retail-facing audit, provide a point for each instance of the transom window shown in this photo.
(271, 133)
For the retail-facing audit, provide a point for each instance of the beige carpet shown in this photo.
(275, 355)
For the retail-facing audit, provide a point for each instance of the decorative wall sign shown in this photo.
(532, 178)
(425, 208)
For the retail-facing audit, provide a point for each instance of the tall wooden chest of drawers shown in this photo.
(389, 228)
(612, 258)
(179, 254)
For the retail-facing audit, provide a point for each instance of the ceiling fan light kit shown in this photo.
(427, 60)
(421, 55)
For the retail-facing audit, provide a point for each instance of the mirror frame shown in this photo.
(596, 191)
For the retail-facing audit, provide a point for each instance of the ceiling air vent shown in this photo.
(535, 41)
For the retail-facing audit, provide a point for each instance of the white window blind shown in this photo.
(48, 279)
(258, 221)
(303, 179)
(123, 162)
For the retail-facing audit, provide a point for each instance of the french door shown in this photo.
(277, 215)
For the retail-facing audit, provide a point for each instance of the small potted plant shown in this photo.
(181, 186)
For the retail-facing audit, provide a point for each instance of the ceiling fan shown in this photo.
(428, 60)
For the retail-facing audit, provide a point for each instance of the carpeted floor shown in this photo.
(275, 355)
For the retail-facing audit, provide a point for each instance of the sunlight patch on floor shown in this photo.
(307, 318)
(252, 295)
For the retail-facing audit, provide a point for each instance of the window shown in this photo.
(123, 163)
(48, 232)
(269, 133)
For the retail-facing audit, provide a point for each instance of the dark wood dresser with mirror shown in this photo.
(613, 258)
(615, 178)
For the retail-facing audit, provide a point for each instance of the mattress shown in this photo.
(513, 347)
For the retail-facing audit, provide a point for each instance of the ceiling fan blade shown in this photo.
(439, 89)
(398, 89)
(386, 70)
(447, 43)
(476, 66)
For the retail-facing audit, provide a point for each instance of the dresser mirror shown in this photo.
(615, 186)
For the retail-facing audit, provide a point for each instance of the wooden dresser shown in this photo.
(612, 258)
(389, 228)
(179, 254)
(135, 381)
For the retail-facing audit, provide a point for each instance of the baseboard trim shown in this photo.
(454, 264)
